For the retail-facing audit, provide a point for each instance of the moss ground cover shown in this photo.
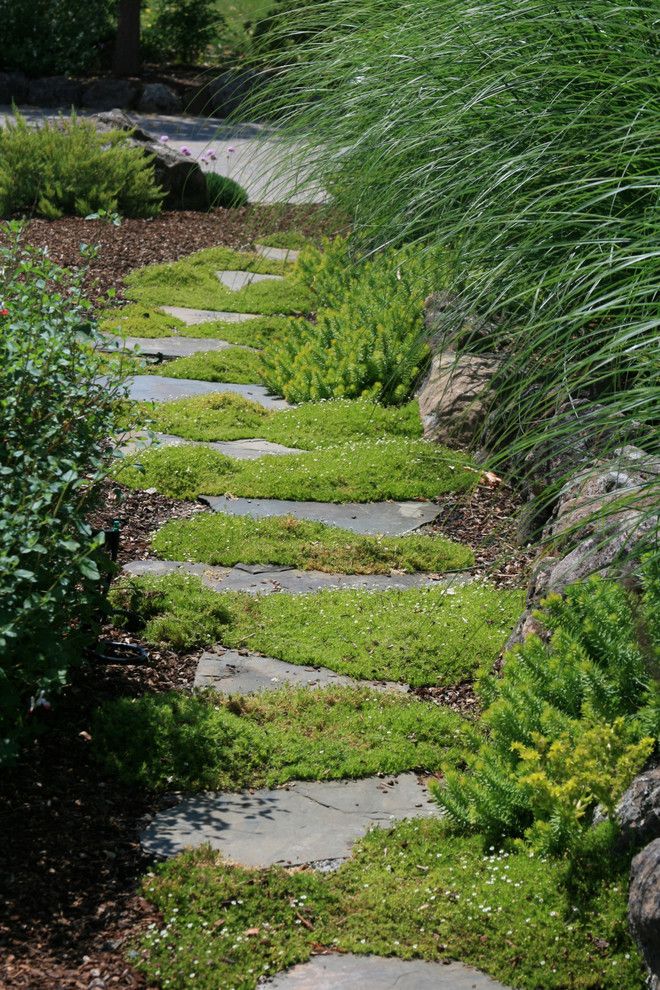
(312, 425)
(135, 320)
(391, 468)
(420, 637)
(232, 365)
(415, 892)
(204, 742)
(228, 540)
(287, 239)
(193, 282)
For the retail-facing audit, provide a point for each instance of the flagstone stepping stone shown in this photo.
(367, 518)
(237, 280)
(169, 347)
(303, 822)
(264, 579)
(250, 673)
(191, 317)
(277, 254)
(242, 450)
(350, 972)
(158, 388)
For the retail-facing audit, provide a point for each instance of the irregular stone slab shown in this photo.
(234, 673)
(303, 822)
(237, 280)
(158, 388)
(242, 450)
(191, 317)
(348, 972)
(367, 518)
(169, 347)
(264, 579)
(277, 254)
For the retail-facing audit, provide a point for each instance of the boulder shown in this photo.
(55, 91)
(13, 87)
(644, 907)
(104, 94)
(454, 397)
(181, 178)
(638, 811)
(158, 98)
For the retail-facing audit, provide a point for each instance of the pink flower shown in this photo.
(231, 149)
(185, 150)
(211, 155)
(163, 139)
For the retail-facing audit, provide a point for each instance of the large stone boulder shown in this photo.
(644, 907)
(638, 811)
(104, 94)
(182, 179)
(158, 98)
(454, 397)
(55, 91)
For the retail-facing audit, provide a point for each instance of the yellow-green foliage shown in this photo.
(69, 168)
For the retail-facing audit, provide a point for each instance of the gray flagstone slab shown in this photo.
(277, 254)
(159, 388)
(302, 822)
(264, 579)
(367, 518)
(169, 347)
(242, 450)
(237, 280)
(249, 673)
(193, 316)
(350, 972)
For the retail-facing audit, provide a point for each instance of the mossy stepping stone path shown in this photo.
(312, 823)
(169, 347)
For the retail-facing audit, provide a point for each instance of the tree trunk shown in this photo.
(126, 61)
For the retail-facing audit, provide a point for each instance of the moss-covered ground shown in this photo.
(412, 892)
(222, 416)
(227, 540)
(391, 468)
(420, 637)
(235, 364)
(199, 742)
(135, 320)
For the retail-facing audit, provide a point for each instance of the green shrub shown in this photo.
(567, 722)
(368, 338)
(225, 192)
(67, 167)
(180, 30)
(49, 37)
(55, 417)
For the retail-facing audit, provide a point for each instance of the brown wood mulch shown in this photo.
(70, 860)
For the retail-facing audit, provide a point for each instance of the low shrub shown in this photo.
(180, 30)
(225, 192)
(368, 338)
(55, 416)
(569, 723)
(49, 37)
(67, 167)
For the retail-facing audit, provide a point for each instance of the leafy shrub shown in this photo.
(180, 29)
(368, 339)
(67, 167)
(48, 37)
(225, 192)
(567, 723)
(54, 418)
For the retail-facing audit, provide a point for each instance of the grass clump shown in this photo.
(135, 320)
(392, 468)
(569, 723)
(421, 637)
(227, 540)
(68, 168)
(232, 365)
(204, 742)
(413, 891)
(310, 426)
(192, 282)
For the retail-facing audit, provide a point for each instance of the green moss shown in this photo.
(392, 468)
(414, 892)
(422, 637)
(287, 239)
(228, 540)
(193, 282)
(184, 742)
(314, 424)
(232, 365)
(135, 320)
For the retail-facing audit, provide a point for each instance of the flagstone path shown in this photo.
(169, 347)
(191, 317)
(236, 281)
(310, 823)
(250, 449)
